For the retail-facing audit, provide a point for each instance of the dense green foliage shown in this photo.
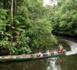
(64, 17)
(27, 24)
(24, 26)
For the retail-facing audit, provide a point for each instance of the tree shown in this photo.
(65, 17)
(27, 25)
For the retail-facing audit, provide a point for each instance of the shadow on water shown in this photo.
(27, 65)
(69, 63)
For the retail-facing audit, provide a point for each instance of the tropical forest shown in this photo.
(27, 24)
(38, 34)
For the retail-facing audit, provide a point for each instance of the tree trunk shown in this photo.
(11, 12)
(11, 17)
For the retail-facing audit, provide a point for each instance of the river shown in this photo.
(69, 62)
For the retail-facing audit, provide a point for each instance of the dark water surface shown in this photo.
(64, 63)
(27, 65)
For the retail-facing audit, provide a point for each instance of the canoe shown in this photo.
(15, 58)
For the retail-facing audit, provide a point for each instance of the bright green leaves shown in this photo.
(65, 15)
(3, 15)
(31, 27)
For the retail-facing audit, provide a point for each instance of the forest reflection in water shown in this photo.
(27, 65)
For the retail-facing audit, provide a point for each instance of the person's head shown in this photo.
(47, 50)
(60, 45)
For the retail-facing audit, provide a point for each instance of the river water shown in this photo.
(69, 62)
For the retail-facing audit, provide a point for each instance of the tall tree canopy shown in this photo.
(64, 17)
(24, 24)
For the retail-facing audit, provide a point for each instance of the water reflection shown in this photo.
(45, 64)
(53, 65)
(27, 65)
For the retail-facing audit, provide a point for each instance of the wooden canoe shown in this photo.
(17, 58)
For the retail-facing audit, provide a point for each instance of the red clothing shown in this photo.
(61, 50)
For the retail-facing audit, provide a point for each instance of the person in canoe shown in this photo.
(55, 52)
(40, 54)
(48, 53)
(60, 48)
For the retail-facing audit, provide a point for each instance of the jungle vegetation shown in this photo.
(24, 24)
(64, 18)
(27, 24)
